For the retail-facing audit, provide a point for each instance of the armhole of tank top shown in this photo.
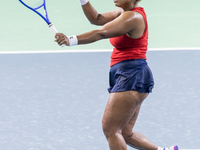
(144, 33)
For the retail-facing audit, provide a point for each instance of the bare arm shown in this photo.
(119, 26)
(126, 23)
(99, 19)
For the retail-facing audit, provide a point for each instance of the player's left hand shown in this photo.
(61, 39)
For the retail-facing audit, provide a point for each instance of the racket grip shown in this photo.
(54, 31)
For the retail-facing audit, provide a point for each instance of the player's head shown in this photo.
(137, 1)
(119, 3)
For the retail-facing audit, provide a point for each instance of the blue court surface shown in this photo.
(55, 101)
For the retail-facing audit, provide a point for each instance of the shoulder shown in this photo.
(132, 16)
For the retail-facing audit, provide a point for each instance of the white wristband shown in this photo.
(83, 2)
(72, 40)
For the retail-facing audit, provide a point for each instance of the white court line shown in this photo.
(174, 49)
(93, 50)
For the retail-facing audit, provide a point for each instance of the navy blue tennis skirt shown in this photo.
(129, 75)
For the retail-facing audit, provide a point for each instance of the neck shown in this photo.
(130, 7)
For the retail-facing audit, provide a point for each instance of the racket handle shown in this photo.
(54, 31)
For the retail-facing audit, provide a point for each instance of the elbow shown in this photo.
(95, 20)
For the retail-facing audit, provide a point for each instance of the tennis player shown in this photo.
(131, 79)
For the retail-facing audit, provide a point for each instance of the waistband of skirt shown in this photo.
(131, 62)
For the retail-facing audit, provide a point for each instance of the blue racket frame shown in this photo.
(46, 19)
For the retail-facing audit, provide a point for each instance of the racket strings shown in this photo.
(34, 3)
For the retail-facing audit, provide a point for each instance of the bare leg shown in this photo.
(135, 139)
(118, 113)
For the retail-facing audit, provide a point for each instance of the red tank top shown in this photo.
(126, 48)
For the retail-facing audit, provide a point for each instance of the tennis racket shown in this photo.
(39, 7)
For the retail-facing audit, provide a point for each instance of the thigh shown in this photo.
(129, 126)
(120, 109)
(127, 130)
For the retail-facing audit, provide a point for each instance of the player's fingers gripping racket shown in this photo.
(38, 6)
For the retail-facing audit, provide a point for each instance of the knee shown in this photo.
(110, 131)
(127, 135)
(106, 129)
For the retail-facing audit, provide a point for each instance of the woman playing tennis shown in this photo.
(131, 79)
